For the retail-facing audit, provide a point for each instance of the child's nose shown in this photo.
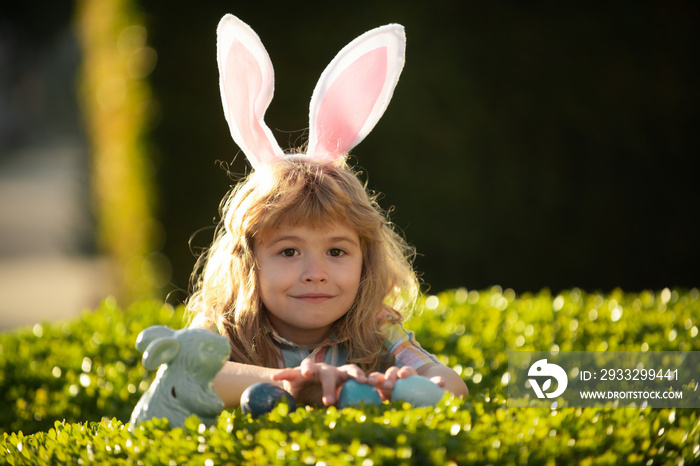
(315, 271)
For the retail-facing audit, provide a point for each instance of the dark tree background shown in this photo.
(532, 145)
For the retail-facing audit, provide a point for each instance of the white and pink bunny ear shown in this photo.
(354, 91)
(351, 96)
(247, 83)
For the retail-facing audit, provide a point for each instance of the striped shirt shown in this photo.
(400, 344)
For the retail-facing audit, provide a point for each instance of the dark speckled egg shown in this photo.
(261, 398)
(417, 390)
(354, 392)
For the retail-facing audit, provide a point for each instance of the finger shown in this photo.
(328, 379)
(352, 370)
(287, 374)
(390, 377)
(391, 372)
(375, 378)
(308, 368)
(406, 371)
(438, 381)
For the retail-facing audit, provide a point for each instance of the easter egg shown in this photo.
(417, 390)
(261, 398)
(354, 392)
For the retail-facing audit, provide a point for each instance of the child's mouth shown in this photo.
(314, 297)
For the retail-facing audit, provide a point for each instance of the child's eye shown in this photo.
(335, 252)
(288, 252)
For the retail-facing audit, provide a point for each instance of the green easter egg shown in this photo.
(417, 390)
(354, 392)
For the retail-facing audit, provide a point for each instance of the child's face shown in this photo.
(308, 278)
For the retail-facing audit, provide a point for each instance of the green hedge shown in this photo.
(78, 370)
(68, 389)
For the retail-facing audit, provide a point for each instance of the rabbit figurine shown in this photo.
(189, 359)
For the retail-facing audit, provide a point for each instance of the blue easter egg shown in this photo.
(354, 392)
(417, 390)
(261, 398)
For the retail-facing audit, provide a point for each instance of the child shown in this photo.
(306, 276)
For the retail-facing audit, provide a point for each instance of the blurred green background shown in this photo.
(530, 145)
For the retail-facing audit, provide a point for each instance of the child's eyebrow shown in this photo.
(279, 239)
(333, 239)
(347, 239)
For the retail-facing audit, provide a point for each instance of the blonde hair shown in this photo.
(301, 191)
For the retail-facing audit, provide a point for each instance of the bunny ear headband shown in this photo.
(349, 99)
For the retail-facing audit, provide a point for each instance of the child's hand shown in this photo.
(385, 382)
(317, 383)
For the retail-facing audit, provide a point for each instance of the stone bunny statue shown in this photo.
(189, 359)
